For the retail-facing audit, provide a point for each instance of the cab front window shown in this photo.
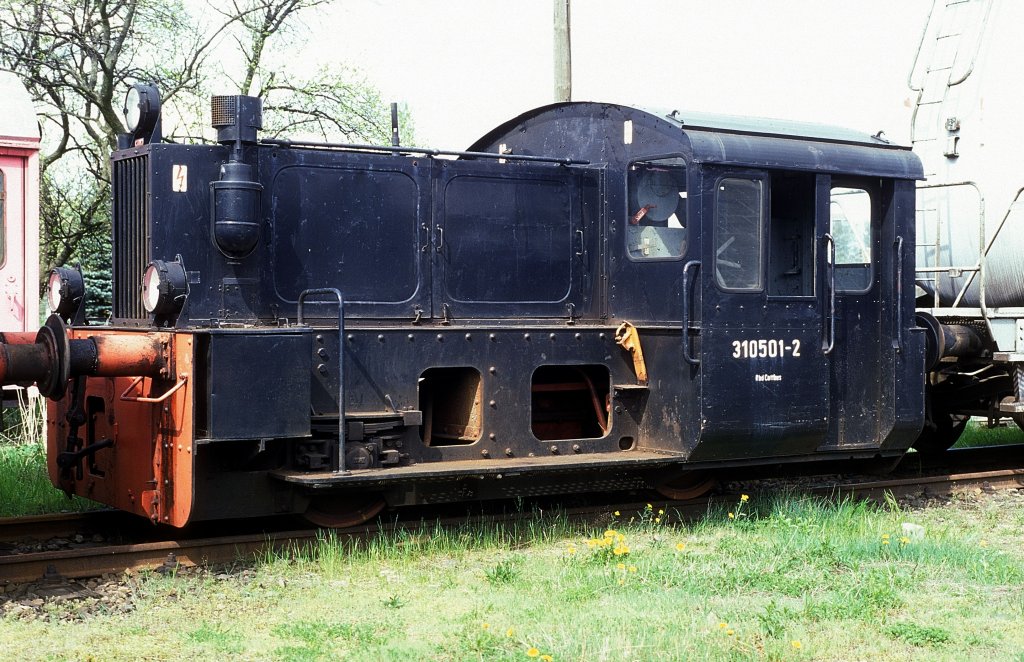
(656, 220)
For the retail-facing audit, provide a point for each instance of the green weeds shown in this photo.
(25, 488)
(216, 637)
(504, 572)
(978, 433)
(790, 577)
(918, 635)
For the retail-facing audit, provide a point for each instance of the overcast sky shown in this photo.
(464, 66)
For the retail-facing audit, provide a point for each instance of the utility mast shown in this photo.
(563, 52)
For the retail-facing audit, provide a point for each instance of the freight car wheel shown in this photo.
(339, 511)
(940, 433)
(687, 485)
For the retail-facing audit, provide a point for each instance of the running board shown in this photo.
(495, 468)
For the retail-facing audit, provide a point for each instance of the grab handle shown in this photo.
(897, 342)
(182, 379)
(828, 341)
(687, 356)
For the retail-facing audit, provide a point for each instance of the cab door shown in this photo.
(762, 349)
(866, 340)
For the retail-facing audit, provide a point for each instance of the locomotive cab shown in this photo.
(591, 297)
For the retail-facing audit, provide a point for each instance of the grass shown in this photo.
(25, 488)
(978, 433)
(788, 578)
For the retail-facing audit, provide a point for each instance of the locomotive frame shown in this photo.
(592, 297)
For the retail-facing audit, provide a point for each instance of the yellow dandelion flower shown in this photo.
(546, 658)
(571, 550)
(617, 551)
(617, 513)
(732, 515)
(983, 543)
(610, 533)
(680, 546)
(650, 507)
(657, 520)
(510, 632)
(885, 542)
(661, 511)
(730, 632)
(904, 540)
(723, 625)
(744, 498)
(621, 582)
(621, 566)
(885, 536)
(486, 626)
(796, 644)
(532, 652)
(632, 568)
(620, 537)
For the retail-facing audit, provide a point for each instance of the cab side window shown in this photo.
(739, 223)
(656, 225)
(850, 217)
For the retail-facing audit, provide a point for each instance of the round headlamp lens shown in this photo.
(151, 288)
(132, 108)
(164, 288)
(55, 290)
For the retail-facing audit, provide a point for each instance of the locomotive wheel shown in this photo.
(339, 511)
(687, 485)
(948, 428)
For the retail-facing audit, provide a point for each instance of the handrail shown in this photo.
(183, 378)
(897, 341)
(829, 343)
(341, 361)
(687, 356)
(980, 265)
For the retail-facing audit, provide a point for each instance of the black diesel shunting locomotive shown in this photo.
(592, 296)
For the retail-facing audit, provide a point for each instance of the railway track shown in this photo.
(58, 547)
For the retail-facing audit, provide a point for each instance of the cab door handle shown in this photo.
(687, 355)
(897, 341)
(828, 331)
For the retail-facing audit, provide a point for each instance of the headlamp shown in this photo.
(164, 288)
(64, 291)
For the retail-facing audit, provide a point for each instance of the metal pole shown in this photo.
(563, 52)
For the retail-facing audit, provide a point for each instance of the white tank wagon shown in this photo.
(970, 210)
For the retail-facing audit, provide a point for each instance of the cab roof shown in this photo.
(615, 134)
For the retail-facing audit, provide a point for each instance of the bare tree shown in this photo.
(78, 59)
